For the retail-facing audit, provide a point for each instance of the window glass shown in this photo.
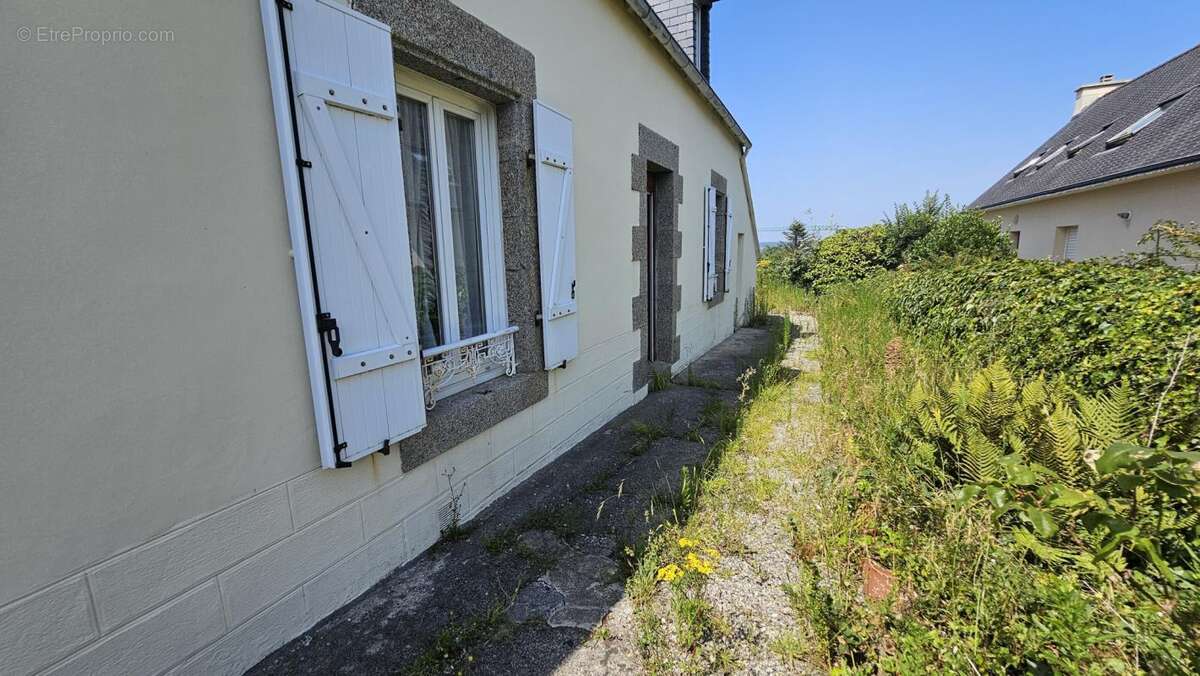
(422, 235)
(464, 217)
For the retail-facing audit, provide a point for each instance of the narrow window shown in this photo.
(1015, 237)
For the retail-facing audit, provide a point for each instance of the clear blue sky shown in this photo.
(853, 106)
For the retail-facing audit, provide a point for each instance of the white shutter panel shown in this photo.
(729, 239)
(710, 243)
(1071, 244)
(366, 375)
(552, 140)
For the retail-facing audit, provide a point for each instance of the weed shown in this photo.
(717, 415)
(660, 379)
(563, 520)
(599, 481)
(695, 381)
(501, 541)
(644, 434)
(452, 649)
(791, 646)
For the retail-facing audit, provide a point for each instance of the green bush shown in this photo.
(846, 256)
(908, 224)
(962, 234)
(1097, 324)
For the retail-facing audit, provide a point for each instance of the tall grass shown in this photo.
(966, 598)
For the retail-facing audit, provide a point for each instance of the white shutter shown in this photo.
(710, 243)
(552, 140)
(729, 239)
(1071, 244)
(366, 375)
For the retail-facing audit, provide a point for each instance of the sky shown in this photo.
(854, 106)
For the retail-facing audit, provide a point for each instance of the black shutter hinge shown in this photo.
(303, 164)
(387, 447)
(337, 456)
(572, 289)
(284, 4)
(327, 326)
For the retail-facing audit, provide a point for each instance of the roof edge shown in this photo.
(1159, 168)
(659, 30)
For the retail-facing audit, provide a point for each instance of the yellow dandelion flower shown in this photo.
(698, 564)
(688, 543)
(712, 553)
(669, 572)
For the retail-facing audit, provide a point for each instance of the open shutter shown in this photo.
(552, 132)
(729, 240)
(345, 194)
(710, 243)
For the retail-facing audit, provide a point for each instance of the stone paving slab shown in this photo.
(548, 557)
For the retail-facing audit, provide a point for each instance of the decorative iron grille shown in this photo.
(467, 360)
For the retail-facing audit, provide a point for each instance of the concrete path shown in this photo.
(526, 582)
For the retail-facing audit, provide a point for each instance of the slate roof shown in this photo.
(1171, 140)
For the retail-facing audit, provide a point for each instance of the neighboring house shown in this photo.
(292, 286)
(1129, 157)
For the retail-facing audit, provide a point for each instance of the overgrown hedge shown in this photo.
(1096, 323)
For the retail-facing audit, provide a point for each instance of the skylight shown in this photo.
(1032, 161)
(1045, 159)
(1142, 122)
(1084, 143)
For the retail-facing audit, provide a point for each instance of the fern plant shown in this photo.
(1063, 469)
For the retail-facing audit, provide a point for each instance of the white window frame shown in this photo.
(440, 99)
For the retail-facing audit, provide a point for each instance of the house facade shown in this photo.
(292, 286)
(1128, 158)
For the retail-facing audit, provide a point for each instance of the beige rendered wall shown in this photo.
(161, 504)
(1174, 196)
(608, 85)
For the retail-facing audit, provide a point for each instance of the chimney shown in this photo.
(1088, 94)
(688, 22)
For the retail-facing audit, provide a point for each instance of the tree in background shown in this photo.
(961, 234)
(908, 224)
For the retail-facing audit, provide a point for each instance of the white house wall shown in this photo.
(161, 505)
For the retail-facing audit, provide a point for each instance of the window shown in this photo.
(1045, 159)
(1014, 236)
(1032, 161)
(449, 160)
(1066, 243)
(1084, 143)
(1141, 123)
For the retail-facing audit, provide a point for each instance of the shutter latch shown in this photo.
(327, 325)
(572, 289)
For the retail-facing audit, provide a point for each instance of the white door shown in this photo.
(349, 235)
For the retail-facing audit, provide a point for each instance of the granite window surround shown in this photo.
(436, 38)
(659, 156)
(722, 227)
